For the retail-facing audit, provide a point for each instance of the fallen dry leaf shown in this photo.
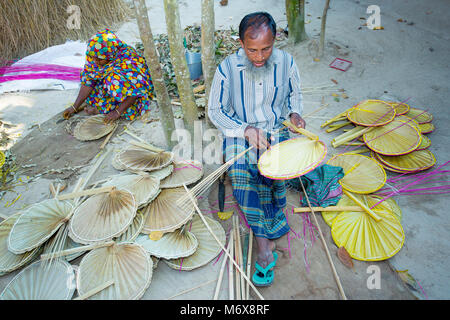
(345, 257)
(334, 81)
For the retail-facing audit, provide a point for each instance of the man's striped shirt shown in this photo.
(235, 101)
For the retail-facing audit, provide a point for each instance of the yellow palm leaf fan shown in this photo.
(37, 224)
(408, 120)
(2, 159)
(393, 139)
(425, 144)
(364, 237)
(426, 128)
(144, 187)
(128, 265)
(328, 216)
(411, 162)
(136, 158)
(207, 249)
(390, 203)
(291, 158)
(93, 128)
(184, 172)
(369, 113)
(421, 116)
(400, 107)
(362, 174)
(103, 216)
(8, 260)
(164, 215)
(178, 244)
(40, 281)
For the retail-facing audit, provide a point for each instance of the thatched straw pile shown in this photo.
(28, 26)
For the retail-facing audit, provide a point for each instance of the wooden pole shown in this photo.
(208, 51)
(333, 268)
(154, 65)
(322, 28)
(182, 74)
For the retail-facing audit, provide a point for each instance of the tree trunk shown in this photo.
(322, 29)
(182, 75)
(152, 57)
(208, 51)
(295, 12)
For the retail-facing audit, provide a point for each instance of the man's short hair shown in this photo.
(256, 20)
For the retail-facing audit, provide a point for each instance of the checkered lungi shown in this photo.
(260, 198)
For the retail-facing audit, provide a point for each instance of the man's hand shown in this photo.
(297, 121)
(256, 138)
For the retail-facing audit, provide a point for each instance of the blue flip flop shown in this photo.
(263, 277)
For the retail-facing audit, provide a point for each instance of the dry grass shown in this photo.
(28, 26)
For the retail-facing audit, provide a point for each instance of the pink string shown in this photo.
(411, 183)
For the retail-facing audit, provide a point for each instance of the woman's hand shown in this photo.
(112, 116)
(69, 112)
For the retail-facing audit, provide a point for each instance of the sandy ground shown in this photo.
(406, 60)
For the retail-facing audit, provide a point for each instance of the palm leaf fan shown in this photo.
(369, 113)
(328, 216)
(8, 260)
(184, 172)
(426, 128)
(393, 139)
(54, 245)
(421, 116)
(164, 215)
(116, 164)
(425, 144)
(133, 230)
(37, 224)
(408, 120)
(42, 282)
(141, 159)
(103, 216)
(400, 107)
(162, 173)
(292, 158)
(362, 174)
(178, 244)
(207, 248)
(411, 162)
(93, 128)
(127, 264)
(365, 238)
(144, 187)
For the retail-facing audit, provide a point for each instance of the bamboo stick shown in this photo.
(236, 257)
(306, 133)
(83, 193)
(338, 126)
(249, 261)
(146, 146)
(330, 209)
(218, 241)
(231, 269)
(191, 289)
(333, 268)
(4, 217)
(362, 205)
(350, 135)
(342, 115)
(241, 261)
(95, 290)
(222, 269)
(108, 138)
(76, 250)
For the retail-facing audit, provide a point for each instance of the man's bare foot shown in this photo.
(265, 251)
(91, 110)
